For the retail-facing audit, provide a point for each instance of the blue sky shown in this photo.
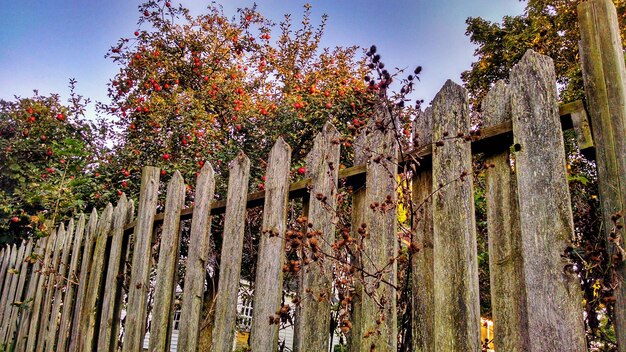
(43, 43)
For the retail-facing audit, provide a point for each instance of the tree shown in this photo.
(549, 27)
(47, 150)
(200, 89)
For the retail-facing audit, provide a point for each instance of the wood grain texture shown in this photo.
(232, 252)
(505, 247)
(8, 290)
(199, 239)
(380, 245)
(18, 312)
(61, 285)
(163, 310)
(553, 297)
(111, 301)
(135, 327)
(33, 283)
(457, 310)
(604, 76)
(6, 323)
(83, 280)
(72, 276)
(90, 314)
(422, 265)
(311, 332)
(268, 287)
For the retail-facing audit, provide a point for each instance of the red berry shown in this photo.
(166, 156)
(136, 33)
(163, 173)
(60, 117)
(31, 119)
(43, 137)
(119, 193)
(124, 184)
(302, 170)
(167, 4)
(261, 187)
(263, 178)
(15, 219)
(49, 152)
(146, 13)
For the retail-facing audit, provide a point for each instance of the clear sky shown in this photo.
(43, 43)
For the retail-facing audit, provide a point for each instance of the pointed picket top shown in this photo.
(423, 128)
(280, 147)
(534, 67)
(104, 224)
(495, 106)
(205, 172)
(130, 210)
(239, 161)
(92, 224)
(323, 140)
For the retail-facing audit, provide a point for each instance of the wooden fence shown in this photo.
(65, 292)
(86, 287)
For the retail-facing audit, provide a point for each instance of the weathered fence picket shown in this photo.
(232, 253)
(165, 290)
(135, 327)
(269, 275)
(200, 234)
(65, 292)
(422, 269)
(503, 227)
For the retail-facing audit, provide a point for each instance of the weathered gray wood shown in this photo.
(163, 310)
(36, 316)
(72, 277)
(269, 275)
(5, 322)
(83, 280)
(51, 289)
(232, 252)
(111, 300)
(378, 302)
(5, 264)
(90, 314)
(62, 284)
(17, 310)
(311, 332)
(199, 239)
(505, 248)
(7, 289)
(357, 218)
(553, 297)
(33, 283)
(422, 269)
(135, 327)
(457, 309)
(604, 75)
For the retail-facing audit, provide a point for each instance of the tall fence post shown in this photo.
(422, 269)
(268, 285)
(457, 308)
(604, 75)
(313, 319)
(135, 327)
(232, 252)
(199, 238)
(505, 252)
(165, 290)
(553, 297)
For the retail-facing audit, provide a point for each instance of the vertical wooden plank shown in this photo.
(83, 280)
(90, 314)
(505, 242)
(72, 276)
(17, 311)
(108, 319)
(27, 315)
(51, 288)
(378, 302)
(604, 76)
(36, 316)
(553, 297)
(8, 304)
(135, 327)
(269, 275)
(6, 253)
(457, 307)
(62, 284)
(196, 262)
(165, 290)
(232, 252)
(422, 269)
(7, 290)
(313, 320)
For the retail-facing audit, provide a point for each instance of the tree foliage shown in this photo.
(549, 27)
